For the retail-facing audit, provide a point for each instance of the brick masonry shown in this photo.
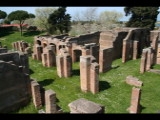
(135, 100)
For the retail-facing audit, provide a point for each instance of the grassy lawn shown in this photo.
(114, 93)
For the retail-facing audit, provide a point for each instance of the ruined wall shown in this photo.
(85, 39)
(113, 39)
(20, 46)
(14, 87)
(17, 58)
(132, 49)
(48, 56)
(89, 74)
(64, 64)
(3, 50)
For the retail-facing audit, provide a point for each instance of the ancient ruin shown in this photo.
(89, 71)
(135, 100)
(94, 52)
(84, 106)
(15, 89)
(133, 81)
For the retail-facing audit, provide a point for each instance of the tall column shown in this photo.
(60, 65)
(36, 94)
(85, 72)
(67, 65)
(94, 78)
(50, 101)
(143, 61)
(125, 51)
(39, 52)
(148, 62)
(135, 50)
(135, 100)
(105, 59)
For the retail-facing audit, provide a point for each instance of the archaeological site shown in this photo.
(95, 53)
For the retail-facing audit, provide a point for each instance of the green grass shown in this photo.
(11, 37)
(114, 93)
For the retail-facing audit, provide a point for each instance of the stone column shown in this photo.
(44, 59)
(85, 52)
(53, 47)
(85, 72)
(94, 78)
(154, 45)
(60, 65)
(67, 65)
(36, 94)
(50, 101)
(38, 52)
(143, 61)
(135, 100)
(50, 58)
(16, 45)
(148, 62)
(125, 51)
(135, 50)
(105, 59)
(94, 50)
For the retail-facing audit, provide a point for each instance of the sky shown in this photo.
(72, 10)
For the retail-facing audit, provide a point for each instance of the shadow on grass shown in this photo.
(31, 71)
(103, 85)
(76, 72)
(31, 33)
(141, 108)
(115, 67)
(46, 82)
(2, 34)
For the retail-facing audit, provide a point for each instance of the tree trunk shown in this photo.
(21, 29)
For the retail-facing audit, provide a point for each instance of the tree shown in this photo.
(144, 17)
(90, 14)
(21, 16)
(109, 18)
(42, 15)
(3, 14)
(60, 20)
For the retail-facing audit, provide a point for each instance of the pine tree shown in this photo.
(59, 20)
(144, 17)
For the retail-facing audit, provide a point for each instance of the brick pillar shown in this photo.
(44, 59)
(85, 52)
(53, 47)
(59, 64)
(67, 65)
(69, 48)
(148, 60)
(73, 56)
(143, 61)
(94, 50)
(94, 78)
(105, 59)
(17, 45)
(135, 50)
(85, 72)
(125, 51)
(35, 87)
(39, 52)
(13, 45)
(154, 45)
(50, 58)
(50, 101)
(135, 100)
